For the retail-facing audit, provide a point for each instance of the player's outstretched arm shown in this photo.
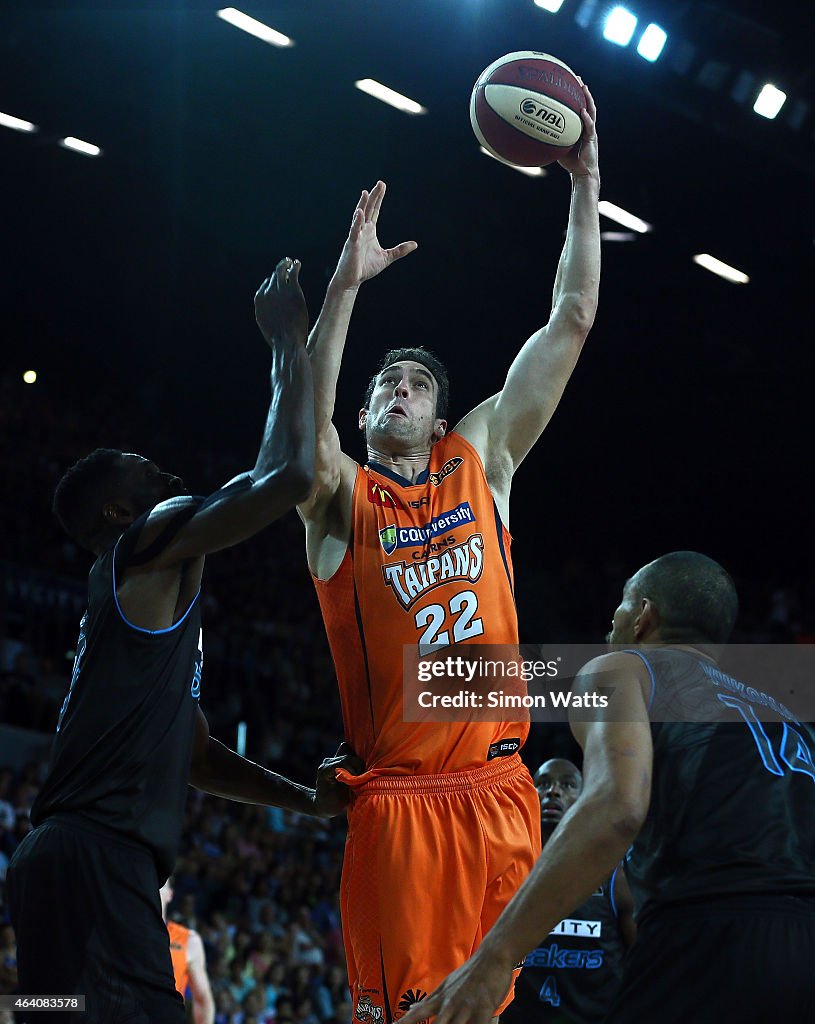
(505, 427)
(362, 258)
(284, 470)
(591, 838)
(216, 769)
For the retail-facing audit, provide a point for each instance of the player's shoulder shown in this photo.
(621, 669)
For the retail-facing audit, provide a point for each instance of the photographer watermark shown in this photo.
(501, 683)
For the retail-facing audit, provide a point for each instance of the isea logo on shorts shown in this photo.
(393, 537)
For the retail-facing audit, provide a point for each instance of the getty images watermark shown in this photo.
(502, 683)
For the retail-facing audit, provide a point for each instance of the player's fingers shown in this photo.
(398, 251)
(590, 104)
(420, 1011)
(357, 221)
(352, 764)
(377, 195)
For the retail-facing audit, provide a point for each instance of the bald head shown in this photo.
(559, 784)
(683, 597)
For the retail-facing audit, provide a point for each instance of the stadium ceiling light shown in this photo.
(30, 377)
(553, 6)
(532, 172)
(78, 146)
(652, 42)
(17, 123)
(722, 269)
(254, 27)
(620, 26)
(621, 216)
(617, 236)
(390, 96)
(770, 101)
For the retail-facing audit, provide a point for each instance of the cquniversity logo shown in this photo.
(393, 537)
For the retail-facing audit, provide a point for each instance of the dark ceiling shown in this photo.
(688, 420)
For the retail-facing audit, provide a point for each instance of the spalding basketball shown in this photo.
(525, 108)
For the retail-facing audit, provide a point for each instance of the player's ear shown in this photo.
(647, 621)
(363, 419)
(439, 430)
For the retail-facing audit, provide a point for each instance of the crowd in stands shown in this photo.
(260, 885)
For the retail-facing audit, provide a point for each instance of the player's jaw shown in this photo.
(552, 810)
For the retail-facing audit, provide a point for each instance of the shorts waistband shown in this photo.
(498, 770)
(86, 826)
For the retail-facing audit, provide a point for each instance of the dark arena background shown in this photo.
(127, 288)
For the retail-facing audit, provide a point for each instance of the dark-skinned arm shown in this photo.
(284, 469)
(216, 769)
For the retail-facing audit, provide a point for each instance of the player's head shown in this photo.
(681, 598)
(406, 401)
(99, 496)
(559, 783)
(165, 894)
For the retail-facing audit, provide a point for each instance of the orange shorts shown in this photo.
(430, 863)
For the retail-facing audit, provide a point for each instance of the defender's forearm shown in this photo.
(287, 448)
(224, 773)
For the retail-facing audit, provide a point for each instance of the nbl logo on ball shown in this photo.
(545, 115)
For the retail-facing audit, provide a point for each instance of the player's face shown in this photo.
(622, 624)
(403, 406)
(558, 783)
(146, 485)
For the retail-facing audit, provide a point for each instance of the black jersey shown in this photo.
(733, 799)
(574, 973)
(121, 754)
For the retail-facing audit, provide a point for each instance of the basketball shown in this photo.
(525, 108)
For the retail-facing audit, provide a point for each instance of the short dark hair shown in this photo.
(695, 597)
(82, 492)
(429, 360)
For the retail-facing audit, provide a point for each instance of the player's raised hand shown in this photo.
(362, 256)
(581, 160)
(333, 795)
(470, 995)
(280, 306)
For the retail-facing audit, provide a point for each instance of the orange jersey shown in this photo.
(428, 563)
(179, 939)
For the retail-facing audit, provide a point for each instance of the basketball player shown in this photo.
(413, 549)
(573, 973)
(722, 865)
(83, 885)
(189, 962)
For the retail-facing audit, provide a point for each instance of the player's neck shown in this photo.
(410, 465)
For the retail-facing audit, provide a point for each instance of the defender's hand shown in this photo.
(470, 995)
(581, 160)
(333, 796)
(362, 256)
(280, 306)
